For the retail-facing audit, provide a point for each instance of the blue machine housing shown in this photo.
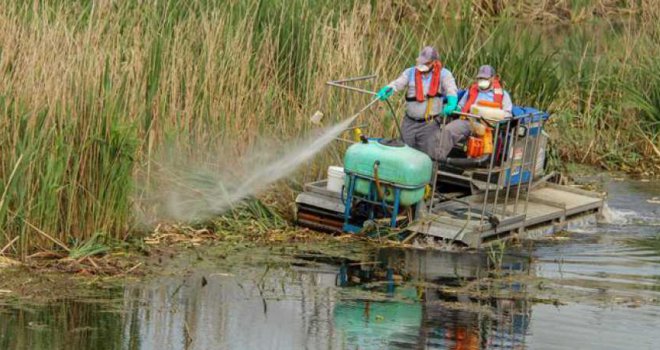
(533, 120)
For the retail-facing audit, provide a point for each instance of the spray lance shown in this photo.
(318, 115)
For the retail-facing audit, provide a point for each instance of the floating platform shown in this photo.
(547, 209)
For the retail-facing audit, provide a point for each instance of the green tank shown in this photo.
(399, 164)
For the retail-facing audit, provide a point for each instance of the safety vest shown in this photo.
(434, 87)
(474, 92)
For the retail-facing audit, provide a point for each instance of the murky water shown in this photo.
(598, 289)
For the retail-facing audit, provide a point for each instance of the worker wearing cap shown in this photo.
(487, 88)
(425, 86)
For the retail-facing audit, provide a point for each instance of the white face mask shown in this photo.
(483, 84)
(423, 68)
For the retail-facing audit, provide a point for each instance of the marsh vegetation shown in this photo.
(94, 94)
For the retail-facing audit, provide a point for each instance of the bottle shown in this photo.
(488, 141)
(357, 134)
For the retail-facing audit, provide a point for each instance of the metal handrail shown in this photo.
(516, 165)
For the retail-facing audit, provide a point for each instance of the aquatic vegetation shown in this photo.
(496, 254)
(93, 93)
(252, 218)
(95, 245)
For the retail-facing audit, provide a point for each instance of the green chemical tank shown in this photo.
(398, 164)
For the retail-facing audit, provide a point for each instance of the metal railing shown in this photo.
(511, 168)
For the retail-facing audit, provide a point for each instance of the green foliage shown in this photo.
(645, 96)
(91, 90)
(94, 245)
(252, 218)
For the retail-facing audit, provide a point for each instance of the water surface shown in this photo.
(598, 289)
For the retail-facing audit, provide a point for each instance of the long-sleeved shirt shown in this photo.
(489, 96)
(417, 110)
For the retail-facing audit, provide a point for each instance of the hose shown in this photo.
(379, 190)
(396, 122)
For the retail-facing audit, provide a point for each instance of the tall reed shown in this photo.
(92, 91)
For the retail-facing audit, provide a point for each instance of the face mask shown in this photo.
(423, 68)
(483, 84)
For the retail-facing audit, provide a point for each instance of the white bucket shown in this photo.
(335, 179)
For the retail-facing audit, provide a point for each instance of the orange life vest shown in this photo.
(474, 92)
(434, 88)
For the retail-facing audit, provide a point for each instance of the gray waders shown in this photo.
(427, 136)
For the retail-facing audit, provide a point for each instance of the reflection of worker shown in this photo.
(464, 338)
(425, 84)
(486, 90)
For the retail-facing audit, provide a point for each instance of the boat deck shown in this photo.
(549, 206)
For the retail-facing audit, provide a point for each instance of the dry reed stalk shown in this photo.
(90, 100)
(8, 245)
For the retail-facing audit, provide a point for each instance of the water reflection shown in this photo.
(61, 325)
(390, 299)
(253, 309)
(427, 316)
(393, 300)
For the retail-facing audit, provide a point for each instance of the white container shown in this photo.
(335, 179)
(540, 158)
(489, 113)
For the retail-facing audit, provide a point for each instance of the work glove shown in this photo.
(385, 92)
(452, 103)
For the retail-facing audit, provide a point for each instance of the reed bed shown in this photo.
(92, 93)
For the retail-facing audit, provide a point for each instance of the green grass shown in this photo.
(93, 246)
(91, 93)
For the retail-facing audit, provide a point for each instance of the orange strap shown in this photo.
(489, 104)
(435, 82)
(474, 92)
